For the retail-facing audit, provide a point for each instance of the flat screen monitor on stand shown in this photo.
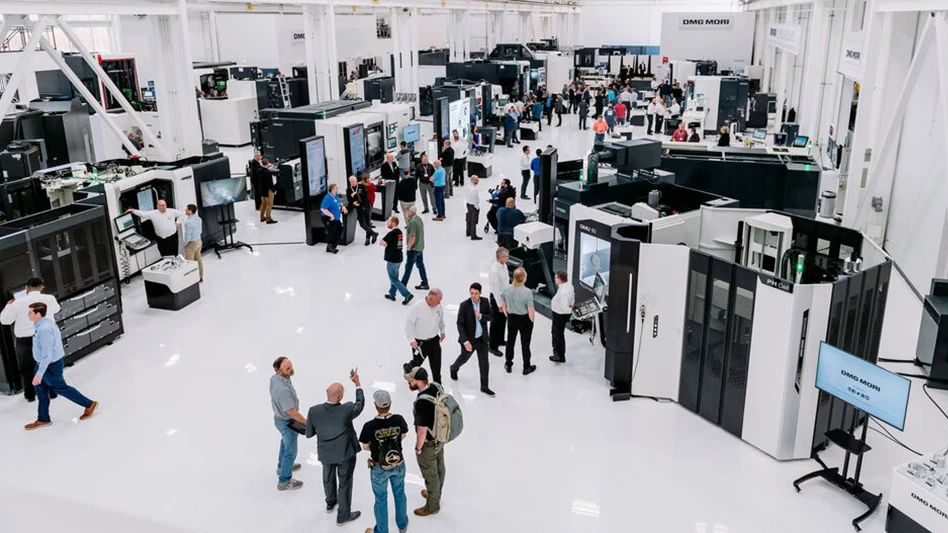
(873, 392)
(222, 194)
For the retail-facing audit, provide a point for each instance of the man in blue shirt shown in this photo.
(48, 354)
(439, 178)
(332, 211)
(535, 168)
(193, 227)
(507, 219)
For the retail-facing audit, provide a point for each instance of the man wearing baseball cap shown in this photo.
(430, 454)
(382, 437)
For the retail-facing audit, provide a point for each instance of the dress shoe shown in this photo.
(556, 359)
(375, 237)
(408, 299)
(53, 395)
(272, 221)
(87, 414)
(330, 508)
(424, 493)
(424, 512)
(353, 516)
(529, 370)
(426, 211)
(488, 392)
(476, 238)
(438, 219)
(389, 297)
(332, 250)
(422, 287)
(454, 375)
(36, 425)
(367, 239)
(30, 399)
(508, 367)
(496, 352)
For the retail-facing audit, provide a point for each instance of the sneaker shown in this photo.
(454, 374)
(488, 392)
(36, 425)
(389, 297)
(529, 370)
(292, 484)
(556, 359)
(87, 414)
(408, 299)
(422, 287)
(330, 508)
(296, 466)
(353, 516)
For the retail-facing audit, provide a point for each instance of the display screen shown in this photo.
(800, 141)
(412, 132)
(594, 257)
(316, 165)
(864, 385)
(760, 134)
(146, 199)
(374, 146)
(124, 222)
(356, 137)
(223, 192)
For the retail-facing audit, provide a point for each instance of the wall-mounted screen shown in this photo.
(868, 387)
(355, 141)
(800, 141)
(146, 199)
(412, 132)
(223, 192)
(315, 154)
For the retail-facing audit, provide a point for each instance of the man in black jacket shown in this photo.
(423, 173)
(473, 316)
(405, 192)
(391, 174)
(447, 163)
(264, 183)
(358, 199)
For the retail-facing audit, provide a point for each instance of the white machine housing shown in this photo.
(766, 238)
(532, 234)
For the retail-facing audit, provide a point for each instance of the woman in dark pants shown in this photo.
(517, 304)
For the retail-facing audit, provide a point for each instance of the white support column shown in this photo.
(309, 29)
(23, 65)
(329, 20)
(396, 26)
(110, 86)
(90, 99)
(413, 20)
(212, 35)
(466, 34)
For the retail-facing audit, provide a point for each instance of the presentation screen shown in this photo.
(412, 132)
(223, 192)
(356, 139)
(459, 118)
(864, 385)
(315, 154)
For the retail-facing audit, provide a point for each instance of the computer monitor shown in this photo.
(314, 154)
(146, 199)
(124, 222)
(866, 386)
(800, 141)
(269, 72)
(412, 132)
(223, 192)
(760, 134)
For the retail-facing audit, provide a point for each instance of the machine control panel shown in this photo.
(125, 229)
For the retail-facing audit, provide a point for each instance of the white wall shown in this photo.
(729, 43)
(636, 22)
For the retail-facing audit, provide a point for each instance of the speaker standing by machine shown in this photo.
(332, 211)
(16, 312)
(164, 220)
(391, 174)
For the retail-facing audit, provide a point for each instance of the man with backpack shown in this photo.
(428, 448)
(382, 437)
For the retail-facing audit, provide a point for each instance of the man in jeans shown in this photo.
(393, 242)
(382, 437)
(430, 453)
(193, 227)
(423, 173)
(286, 409)
(415, 230)
(48, 353)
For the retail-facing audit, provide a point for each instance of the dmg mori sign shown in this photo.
(705, 22)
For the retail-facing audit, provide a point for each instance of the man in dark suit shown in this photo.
(337, 445)
(473, 316)
(391, 174)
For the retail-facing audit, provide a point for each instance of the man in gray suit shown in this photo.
(337, 445)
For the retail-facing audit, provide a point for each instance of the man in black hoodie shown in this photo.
(405, 192)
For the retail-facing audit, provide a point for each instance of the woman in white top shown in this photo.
(650, 114)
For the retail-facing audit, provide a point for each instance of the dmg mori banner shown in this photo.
(850, 57)
(727, 38)
(785, 37)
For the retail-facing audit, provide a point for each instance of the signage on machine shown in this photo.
(706, 22)
(779, 284)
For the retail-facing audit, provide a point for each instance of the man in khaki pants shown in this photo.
(192, 237)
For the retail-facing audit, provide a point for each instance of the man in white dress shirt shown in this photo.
(473, 199)
(562, 307)
(16, 313)
(461, 147)
(424, 329)
(165, 223)
(498, 279)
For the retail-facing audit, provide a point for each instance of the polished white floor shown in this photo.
(184, 441)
